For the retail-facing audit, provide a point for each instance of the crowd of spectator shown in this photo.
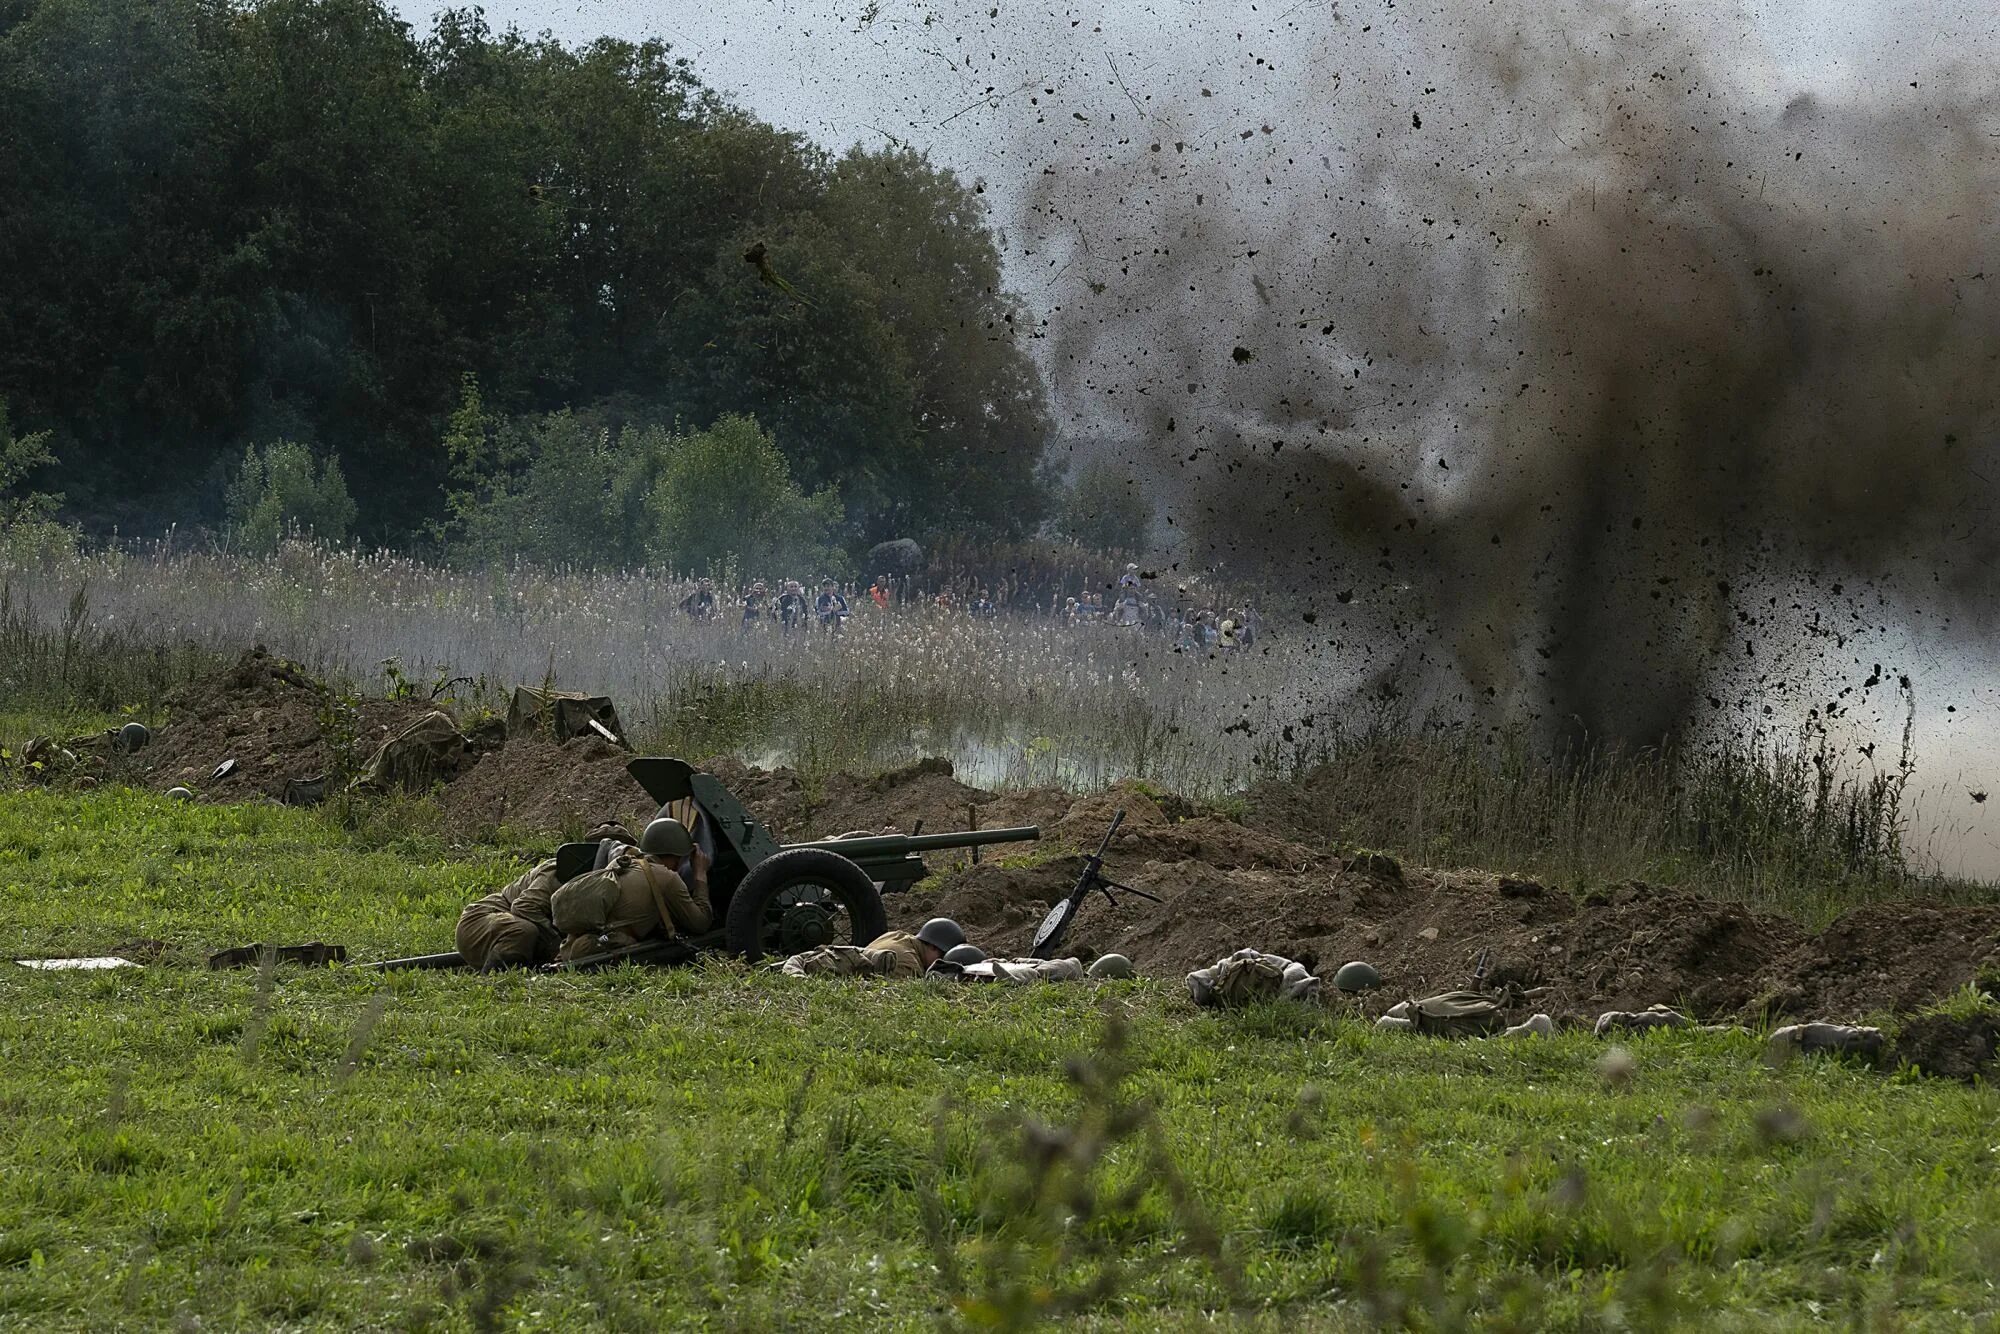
(1132, 604)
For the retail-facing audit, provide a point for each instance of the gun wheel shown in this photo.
(801, 899)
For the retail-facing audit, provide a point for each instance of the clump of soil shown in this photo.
(534, 784)
(1893, 957)
(273, 719)
(1949, 1047)
(923, 793)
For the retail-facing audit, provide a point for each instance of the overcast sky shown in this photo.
(847, 70)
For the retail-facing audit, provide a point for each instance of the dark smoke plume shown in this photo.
(1567, 322)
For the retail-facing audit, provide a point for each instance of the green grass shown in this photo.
(708, 1148)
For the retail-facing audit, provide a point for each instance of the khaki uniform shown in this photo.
(891, 954)
(1022, 970)
(632, 898)
(1248, 976)
(512, 928)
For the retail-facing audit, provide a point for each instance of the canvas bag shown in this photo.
(1459, 1014)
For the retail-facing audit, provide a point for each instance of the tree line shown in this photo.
(262, 243)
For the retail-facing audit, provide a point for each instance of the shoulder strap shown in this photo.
(659, 900)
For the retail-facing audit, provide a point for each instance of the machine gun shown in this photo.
(1049, 935)
(769, 898)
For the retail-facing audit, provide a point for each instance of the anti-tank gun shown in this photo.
(769, 898)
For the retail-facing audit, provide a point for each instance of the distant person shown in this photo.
(830, 606)
(792, 603)
(1129, 579)
(878, 592)
(700, 604)
(982, 607)
(756, 604)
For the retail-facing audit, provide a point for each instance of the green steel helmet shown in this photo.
(941, 933)
(666, 837)
(1111, 965)
(134, 736)
(965, 954)
(1357, 976)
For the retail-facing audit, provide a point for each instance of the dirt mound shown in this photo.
(925, 793)
(775, 796)
(1892, 957)
(533, 784)
(1268, 882)
(1949, 1047)
(1225, 888)
(272, 719)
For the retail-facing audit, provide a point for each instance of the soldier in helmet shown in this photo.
(636, 895)
(891, 954)
(514, 927)
(916, 953)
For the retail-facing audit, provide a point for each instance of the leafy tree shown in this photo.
(555, 511)
(1106, 509)
(249, 220)
(279, 491)
(817, 365)
(977, 405)
(20, 456)
(726, 496)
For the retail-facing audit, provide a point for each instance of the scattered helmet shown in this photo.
(179, 794)
(965, 954)
(941, 933)
(666, 837)
(1111, 965)
(1357, 976)
(134, 736)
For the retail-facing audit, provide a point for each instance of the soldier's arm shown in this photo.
(691, 912)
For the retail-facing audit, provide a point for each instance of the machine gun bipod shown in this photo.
(1049, 935)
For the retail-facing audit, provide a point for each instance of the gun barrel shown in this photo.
(889, 845)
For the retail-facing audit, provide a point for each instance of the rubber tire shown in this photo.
(849, 883)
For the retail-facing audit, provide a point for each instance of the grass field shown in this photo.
(709, 1148)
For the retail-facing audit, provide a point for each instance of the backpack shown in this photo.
(1458, 1014)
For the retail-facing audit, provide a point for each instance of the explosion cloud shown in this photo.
(1571, 320)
